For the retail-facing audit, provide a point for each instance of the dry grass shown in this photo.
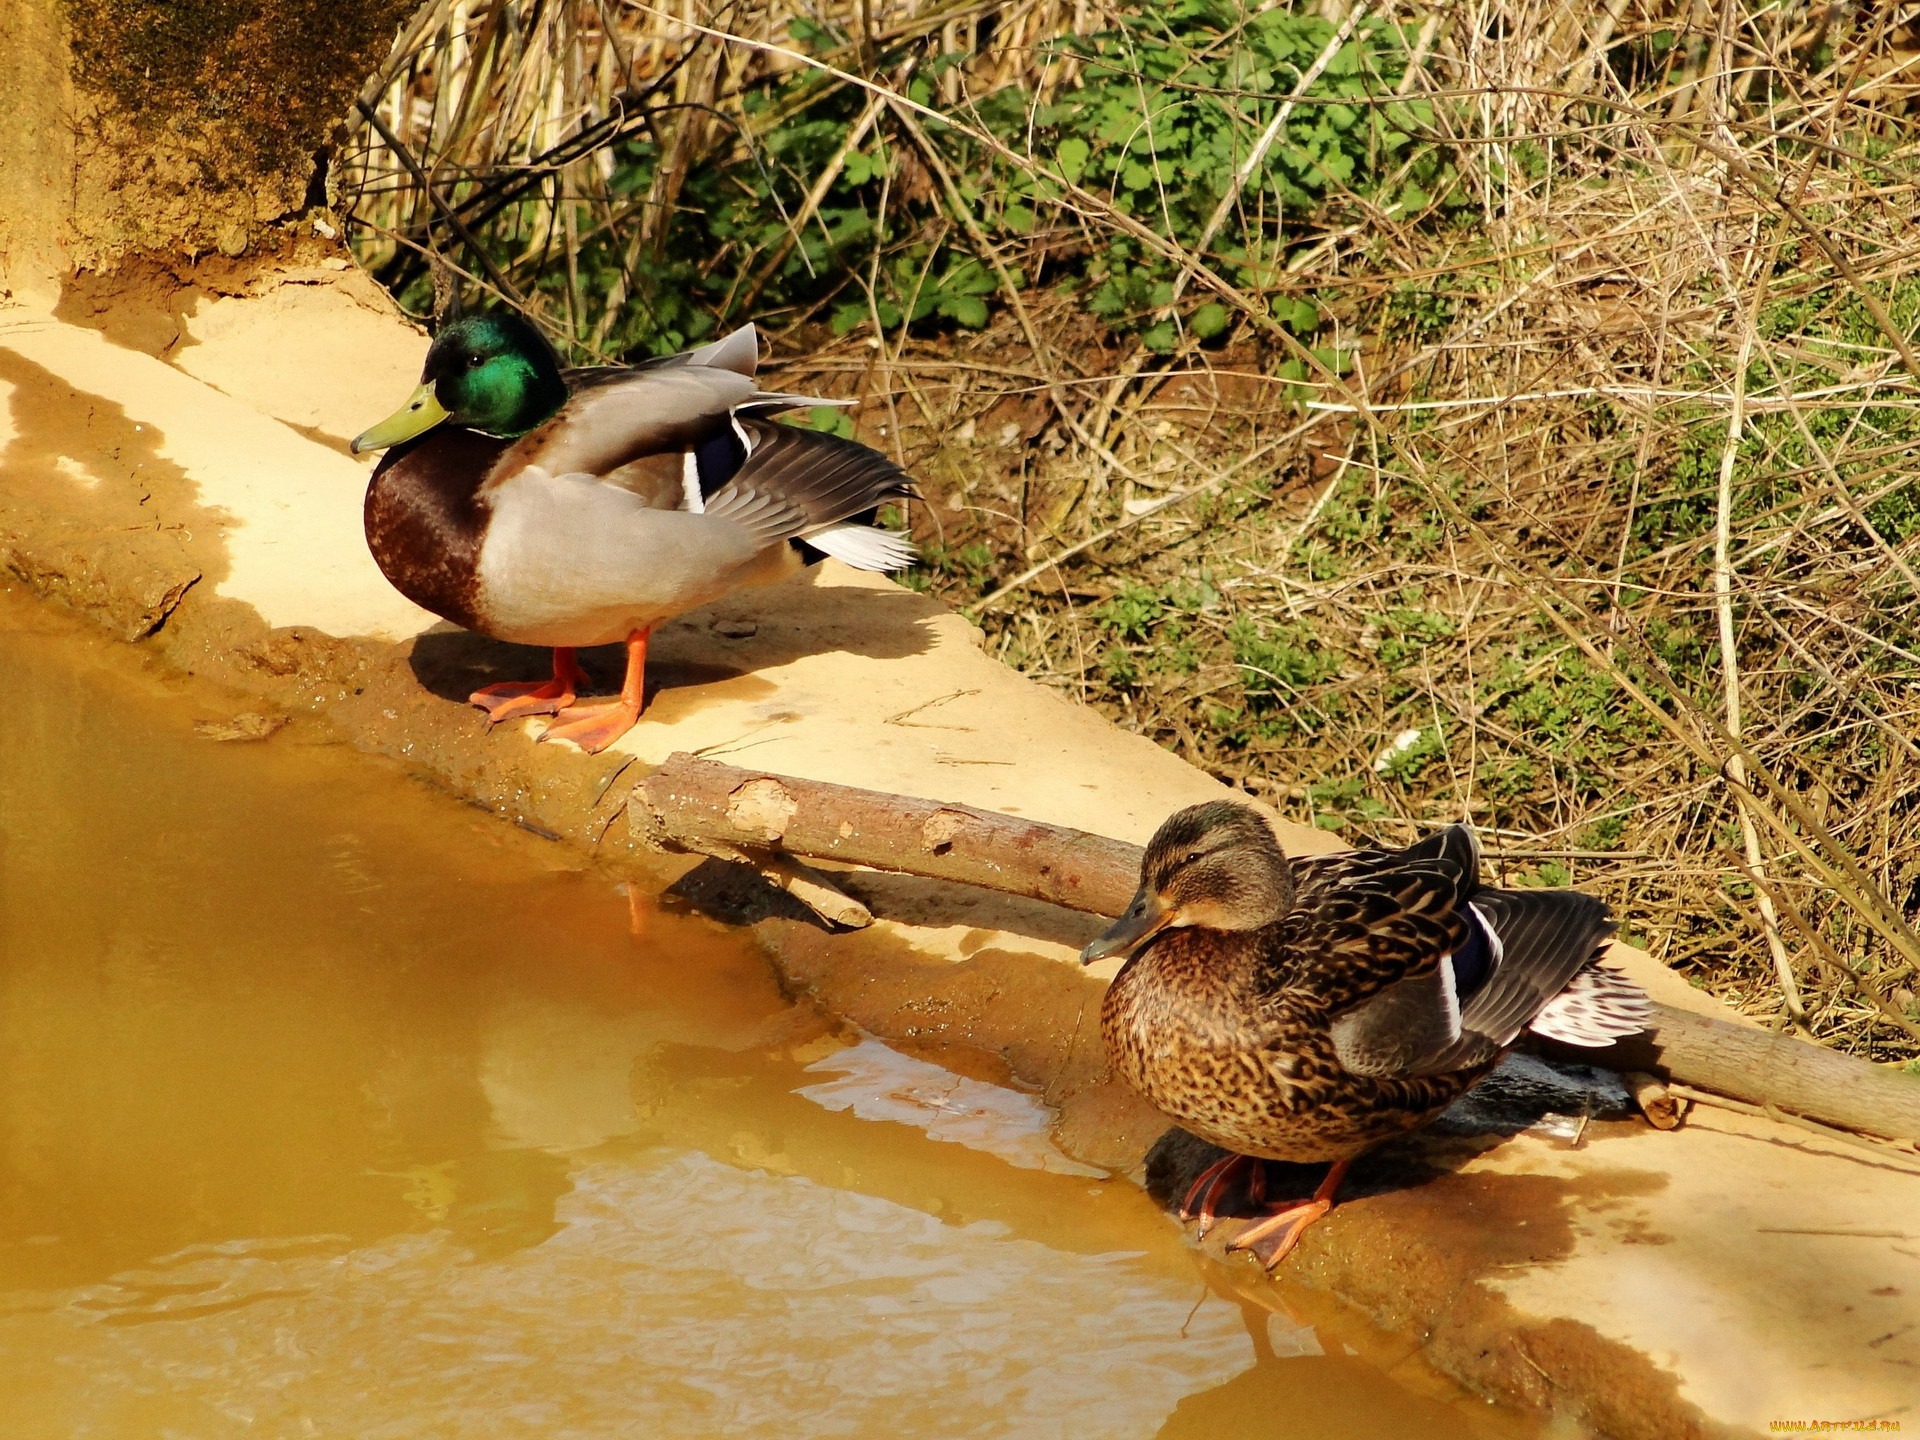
(1592, 484)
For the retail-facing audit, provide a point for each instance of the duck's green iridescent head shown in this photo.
(493, 373)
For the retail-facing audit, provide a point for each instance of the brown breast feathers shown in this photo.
(424, 522)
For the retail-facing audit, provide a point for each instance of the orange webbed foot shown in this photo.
(517, 699)
(594, 727)
(1291, 1223)
(1209, 1186)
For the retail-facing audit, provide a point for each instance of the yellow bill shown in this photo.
(420, 414)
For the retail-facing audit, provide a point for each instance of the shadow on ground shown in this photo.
(727, 641)
(1522, 1092)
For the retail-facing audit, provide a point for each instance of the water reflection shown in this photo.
(328, 1106)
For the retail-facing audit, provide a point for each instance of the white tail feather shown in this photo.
(865, 547)
(767, 402)
(1598, 1006)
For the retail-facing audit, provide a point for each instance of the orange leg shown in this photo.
(1290, 1223)
(519, 699)
(594, 727)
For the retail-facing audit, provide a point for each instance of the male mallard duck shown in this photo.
(582, 507)
(1308, 1009)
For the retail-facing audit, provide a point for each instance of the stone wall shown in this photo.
(170, 129)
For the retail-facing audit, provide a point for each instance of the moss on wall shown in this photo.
(274, 75)
(197, 123)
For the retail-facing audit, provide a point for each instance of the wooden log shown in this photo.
(1765, 1068)
(1663, 1109)
(695, 804)
(694, 801)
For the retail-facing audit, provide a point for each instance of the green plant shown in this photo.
(702, 216)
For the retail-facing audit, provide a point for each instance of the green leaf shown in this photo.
(967, 310)
(830, 420)
(1209, 320)
(1072, 157)
(1159, 338)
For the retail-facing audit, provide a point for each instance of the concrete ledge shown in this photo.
(1703, 1282)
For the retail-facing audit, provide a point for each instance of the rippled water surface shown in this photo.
(332, 1107)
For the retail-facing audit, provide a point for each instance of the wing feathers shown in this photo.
(1401, 1028)
(769, 518)
(1428, 973)
(827, 479)
(1546, 938)
(701, 415)
(738, 352)
(647, 411)
(769, 402)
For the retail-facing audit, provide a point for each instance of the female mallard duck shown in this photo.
(582, 507)
(1308, 1009)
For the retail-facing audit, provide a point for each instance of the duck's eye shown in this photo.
(474, 362)
(1192, 855)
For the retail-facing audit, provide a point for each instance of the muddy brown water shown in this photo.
(330, 1106)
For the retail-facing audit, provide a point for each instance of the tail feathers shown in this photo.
(1599, 1006)
(865, 547)
(1541, 940)
(772, 402)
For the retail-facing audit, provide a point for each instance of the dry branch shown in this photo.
(695, 804)
(1664, 1110)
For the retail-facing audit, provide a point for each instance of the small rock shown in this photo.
(736, 629)
(246, 726)
(1525, 1089)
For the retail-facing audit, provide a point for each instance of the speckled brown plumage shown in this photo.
(1247, 1069)
(1297, 1010)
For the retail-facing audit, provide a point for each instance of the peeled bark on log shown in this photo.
(695, 804)
(1764, 1067)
